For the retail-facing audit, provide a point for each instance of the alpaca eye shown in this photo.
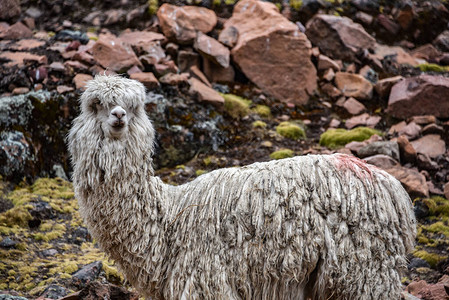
(96, 106)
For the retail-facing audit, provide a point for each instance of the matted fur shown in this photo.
(324, 227)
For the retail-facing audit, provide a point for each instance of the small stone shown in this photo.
(446, 190)
(389, 148)
(424, 120)
(54, 291)
(195, 72)
(353, 106)
(329, 74)
(431, 145)
(330, 90)
(216, 73)
(212, 49)
(186, 59)
(406, 150)
(204, 93)
(362, 120)
(87, 274)
(364, 17)
(50, 252)
(80, 80)
(354, 85)
(334, 123)
(20, 90)
(61, 89)
(7, 243)
(381, 161)
(325, 63)
(410, 130)
(390, 25)
(19, 58)
(147, 78)
(383, 86)
(432, 129)
(229, 36)
(175, 79)
(76, 65)
(57, 66)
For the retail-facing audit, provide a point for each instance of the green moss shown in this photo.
(259, 124)
(432, 258)
(216, 3)
(262, 110)
(280, 154)
(153, 6)
(432, 68)
(235, 106)
(230, 2)
(438, 206)
(438, 227)
(296, 4)
(290, 130)
(335, 138)
(16, 216)
(200, 172)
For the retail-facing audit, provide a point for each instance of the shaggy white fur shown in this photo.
(320, 227)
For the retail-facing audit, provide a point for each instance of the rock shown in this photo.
(428, 291)
(330, 90)
(57, 66)
(364, 17)
(424, 162)
(147, 78)
(405, 16)
(216, 73)
(406, 150)
(11, 297)
(383, 86)
(424, 120)
(76, 65)
(388, 24)
(413, 181)
(211, 49)
(181, 24)
(204, 93)
(175, 79)
(112, 53)
(329, 75)
(9, 9)
(442, 41)
(165, 67)
(7, 243)
(71, 35)
(87, 274)
(270, 44)
(114, 16)
(143, 41)
(433, 129)
(410, 130)
(50, 252)
(338, 37)
(382, 161)
(446, 190)
(20, 90)
(62, 89)
(369, 74)
(431, 145)
(195, 72)
(427, 52)
(96, 290)
(39, 74)
(395, 54)
(423, 94)
(229, 36)
(15, 111)
(26, 44)
(353, 106)
(354, 85)
(15, 154)
(54, 291)
(154, 53)
(186, 59)
(33, 12)
(80, 80)
(325, 63)
(362, 120)
(17, 31)
(19, 58)
(389, 148)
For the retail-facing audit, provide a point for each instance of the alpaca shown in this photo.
(309, 227)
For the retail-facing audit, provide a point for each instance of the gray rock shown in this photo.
(382, 161)
(10, 297)
(389, 148)
(15, 153)
(418, 263)
(87, 274)
(59, 172)
(7, 243)
(54, 291)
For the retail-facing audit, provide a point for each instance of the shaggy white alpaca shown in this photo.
(317, 226)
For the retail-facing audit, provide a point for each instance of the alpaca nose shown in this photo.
(118, 112)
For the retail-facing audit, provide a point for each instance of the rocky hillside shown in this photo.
(228, 84)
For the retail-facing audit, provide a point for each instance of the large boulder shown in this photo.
(271, 51)
(181, 24)
(420, 95)
(338, 37)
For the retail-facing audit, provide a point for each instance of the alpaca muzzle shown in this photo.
(118, 114)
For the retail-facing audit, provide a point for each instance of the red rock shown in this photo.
(424, 94)
(175, 79)
(330, 90)
(18, 58)
(424, 120)
(216, 73)
(446, 190)
(329, 75)
(431, 145)
(57, 66)
(114, 16)
(39, 74)
(165, 67)
(362, 120)
(212, 49)
(80, 80)
(133, 70)
(17, 31)
(353, 106)
(270, 44)
(26, 44)
(398, 54)
(415, 287)
(413, 181)
(9, 9)
(405, 17)
(390, 25)
(68, 54)
(84, 57)
(354, 85)
(433, 129)
(338, 37)
(186, 59)
(147, 78)
(364, 17)
(112, 53)
(20, 90)
(142, 41)
(427, 52)
(382, 161)
(195, 72)
(204, 93)
(325, 63)
(229, 36)
(406, 150)
(410, 130)
(383, 86)
(74, 45)
(181, 24)
(61, 89)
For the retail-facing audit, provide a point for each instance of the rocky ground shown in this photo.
(228, 84)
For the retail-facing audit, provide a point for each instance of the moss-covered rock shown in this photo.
(235, 106)
(290, 130)
(432, 258)
(283, 153)
(335, 138)
(262, 110)
(433, 68)
(153, 6)
(259, 124)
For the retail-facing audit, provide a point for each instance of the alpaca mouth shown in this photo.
(118, 124)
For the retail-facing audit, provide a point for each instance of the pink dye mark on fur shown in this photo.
(360, 168)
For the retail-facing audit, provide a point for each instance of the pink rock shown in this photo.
(413, 181)
(143, 42)
(420, 95)
(427, 52)
(410, 130)
(212, 49)
(431, 145)
(338, 37)
(17, 31)
(74, 45)
(84, 57)
(268, 43)
(329, 74)
(406, 150)
(415, 287)
(362, 120)
(354, 85)
(112, 53)
(424, 120)
(383, 86)
(390, 25)
(216, 73)
(61, 89)
(147, 78)
(325, 63)
(175, 79)
(165, 67)
(26, 44)
(18, 58)
(76, 65)
(204, 93)
(196, 72)
(181, 24)
(446, 190)
(80, 80)
(229, 36)
(353, 106)
(20, 90)
(398, 54)
(57, 66)
(382, 161)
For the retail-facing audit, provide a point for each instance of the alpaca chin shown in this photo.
(115, 130)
